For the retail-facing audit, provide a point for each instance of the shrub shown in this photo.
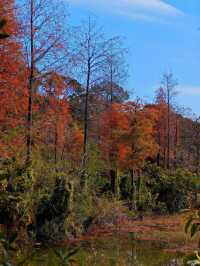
(172, 188)
(125, 188)
(52, 212)
(146, 200)
(16, 197)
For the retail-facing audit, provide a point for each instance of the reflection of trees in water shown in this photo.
(133, 252)
(120, 251)
(136, 254)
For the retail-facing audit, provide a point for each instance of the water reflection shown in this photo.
(126, 251)
(117, 250)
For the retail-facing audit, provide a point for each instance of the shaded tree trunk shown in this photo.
(164, 158)
(30, 91)
(133, 192)
(159, 151)
(113, 181)
(197, 160)
(168, 129)
(176, 143)
(83, 175)
(55, 147)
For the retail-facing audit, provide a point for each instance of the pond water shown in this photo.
(111, 251)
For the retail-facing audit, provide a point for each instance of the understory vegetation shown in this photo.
(62, 209)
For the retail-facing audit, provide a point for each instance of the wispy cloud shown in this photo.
(190, 91)
(153, 5)
(146, 10)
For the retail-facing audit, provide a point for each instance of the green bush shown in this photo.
(173, 189)
(52, 212)
(146, 200)
(125, 188)
(16, 197)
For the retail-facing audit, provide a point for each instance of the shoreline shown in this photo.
(166, 230)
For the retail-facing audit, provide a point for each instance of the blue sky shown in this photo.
(160, 36)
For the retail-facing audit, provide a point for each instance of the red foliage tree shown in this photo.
(140, 138)
(12, 83)
(114, 125)
(58, 131)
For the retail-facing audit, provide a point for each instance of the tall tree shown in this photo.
(112, 146)
(91, 53)
(161, 108)
(140, 141)
(59, 131)
(44, 48)
(115, 68)
(169, 84)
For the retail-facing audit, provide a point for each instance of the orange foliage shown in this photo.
(13, 98)
(58, 132)
(140, 139)
(114, 124)
(127, 135)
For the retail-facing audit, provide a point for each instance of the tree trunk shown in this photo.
(111, 86)
(197, 160)
(168, 129)
(55, 147)
(86, 114)
(113, 181)
(158, 155)
(133, 192)
(83, 175)
(138, 186)
(164, 157)
(30, 93)
(176, 144)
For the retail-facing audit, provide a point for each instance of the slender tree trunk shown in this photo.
(30, 91)
(168, 129)
(158, 159)
(138, 186)
(112, 171)
(133, 192)
(164, 157)
(83, 175)
(197, 159)
(158, 155)
(113, 181)
(55, 146)
(111, 85)
(117, 185)
(86, 113)
(176, 143)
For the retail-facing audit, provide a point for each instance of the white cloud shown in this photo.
(190, 91)
(147, 10)
(156, 5)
